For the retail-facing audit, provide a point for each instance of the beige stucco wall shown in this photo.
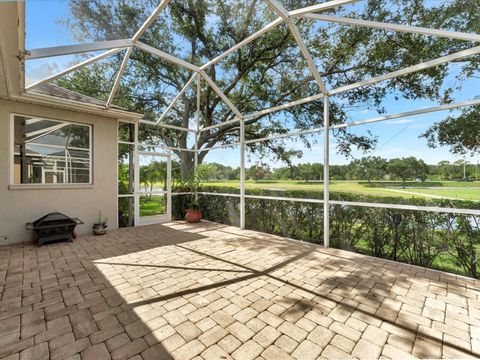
(18, 206)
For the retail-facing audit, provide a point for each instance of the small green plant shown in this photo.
(194, 205)
(101, 220)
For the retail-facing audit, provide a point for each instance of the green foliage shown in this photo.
(194, 205)
(368, 168)
(407, 168)
(461, 133)
(444, 241)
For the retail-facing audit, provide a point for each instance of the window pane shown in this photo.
(126, 132)
(126, 211)
(50, 152)
(125, 169)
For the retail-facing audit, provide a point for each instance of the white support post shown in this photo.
(242, 174)
(326, 173)
(197, 134)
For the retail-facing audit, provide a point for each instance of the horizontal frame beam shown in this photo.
(168, 126)
(353, 203)
(267, 111)
(234, 120)
(165, 56)
(408, 70)
(393, 27)
(283, 107)
(321, 7)
(354, 123)
(409, 113)
(74, 67)
(219, 147)
(77, 48)
(280, 136)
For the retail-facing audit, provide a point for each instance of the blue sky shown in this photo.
(397, 138)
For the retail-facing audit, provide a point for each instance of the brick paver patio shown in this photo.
(211, 291)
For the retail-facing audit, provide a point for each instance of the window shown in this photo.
(51, 151)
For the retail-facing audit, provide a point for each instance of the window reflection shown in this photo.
(51, 151)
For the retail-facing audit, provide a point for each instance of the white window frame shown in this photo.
(15, 186)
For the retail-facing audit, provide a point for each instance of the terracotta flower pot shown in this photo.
(193, 215)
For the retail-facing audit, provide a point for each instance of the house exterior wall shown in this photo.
(21, 205)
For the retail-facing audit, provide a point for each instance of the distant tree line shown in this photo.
(370, 168)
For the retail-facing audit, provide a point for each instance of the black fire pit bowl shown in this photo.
(54, 227)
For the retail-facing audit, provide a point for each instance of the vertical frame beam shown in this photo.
(326, 172)
(242, 173)
(197, 134)
(136, 178)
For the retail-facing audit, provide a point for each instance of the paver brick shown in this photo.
(293, 331)
(215, 352)
(286, 344)
(240, 331)
(307, 350)
(248, 351)
(375, 335)
(70, 349)
(212, 336)
(130, 349)
(96, 352)
(72, 303)
(343, 343)
(188, 330)
(188, 350)
(37, 352)
(117, 342)
(333, 353)
(274, 352)
(366, 350)
(229, 343)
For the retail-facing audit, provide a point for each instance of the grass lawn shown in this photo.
(153, 206)
(447, 189)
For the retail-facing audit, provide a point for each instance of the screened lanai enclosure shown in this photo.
(274, 80)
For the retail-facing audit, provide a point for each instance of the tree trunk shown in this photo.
(187, 161)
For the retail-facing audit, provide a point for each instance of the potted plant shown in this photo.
(193, 215)
(100, 228)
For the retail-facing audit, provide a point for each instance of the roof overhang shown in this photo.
(12, 68)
